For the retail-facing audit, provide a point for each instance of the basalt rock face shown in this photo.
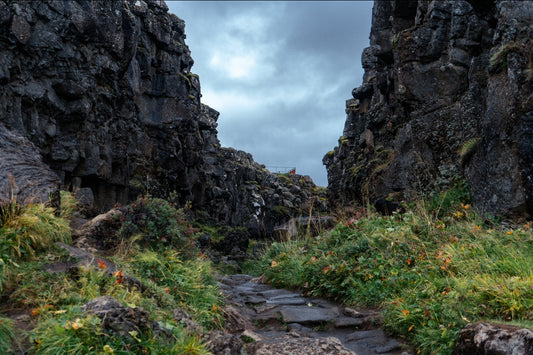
(24, 177)
(104, 89)
(446, 94)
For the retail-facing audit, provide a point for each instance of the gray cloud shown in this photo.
(278, 72)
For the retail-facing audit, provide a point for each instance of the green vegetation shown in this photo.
(467, 149)
(156, 247)
(432, 270)
(499, 57)
(26, 230)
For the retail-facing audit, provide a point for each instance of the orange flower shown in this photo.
(101, 264)
(476, 228)
(409, 261)
(411, 327)
(76, 324)
(510, 232)
(119, 276)
(405, 311)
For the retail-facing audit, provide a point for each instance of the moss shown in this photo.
(189, 85)
(192, 75)
(330, 153)
(499, 58)
(468, 149)
(281, 210)
(343, 140)
(284, 178)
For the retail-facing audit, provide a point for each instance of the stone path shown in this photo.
(286, 322)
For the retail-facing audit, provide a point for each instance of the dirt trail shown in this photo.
(283, 318)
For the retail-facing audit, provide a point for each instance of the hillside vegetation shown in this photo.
(50, 303)
(431, 270)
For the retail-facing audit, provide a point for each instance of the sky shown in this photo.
(279, 73)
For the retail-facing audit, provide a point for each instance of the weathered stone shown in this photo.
(100, 232)
(123, 320)
(288, 345)
(328, 319)
(222, 343)
(307, 315)
(23, 176)
(492, 339)
(454, 75)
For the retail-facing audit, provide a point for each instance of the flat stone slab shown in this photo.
(366, 334)
(285, 321)
(390, 346)
(273, 293)
(287, 300)
(306, 315)
(344, 322)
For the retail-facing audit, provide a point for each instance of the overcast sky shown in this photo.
(279, 73)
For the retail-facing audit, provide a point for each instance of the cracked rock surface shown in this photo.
(286, 322)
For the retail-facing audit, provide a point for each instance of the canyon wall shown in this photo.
(447, 96)
(105, 91)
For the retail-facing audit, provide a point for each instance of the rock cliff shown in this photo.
(104, 89)
(446, 95)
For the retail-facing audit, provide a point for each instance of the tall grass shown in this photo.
(27, 229)
(431, 270)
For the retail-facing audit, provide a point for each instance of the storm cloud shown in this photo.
(279, 73)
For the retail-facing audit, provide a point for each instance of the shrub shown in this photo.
(159, 224)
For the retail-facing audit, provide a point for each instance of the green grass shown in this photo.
(8, 339)
(432, 271)
(174, 273)
(28, 229)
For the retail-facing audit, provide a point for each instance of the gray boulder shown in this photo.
(492, 339)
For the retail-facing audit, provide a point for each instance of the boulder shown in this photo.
(123, 320)
(493, 339)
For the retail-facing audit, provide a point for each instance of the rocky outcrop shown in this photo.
(105, 90)
(485, 339)
(23, 176)
(446, 95)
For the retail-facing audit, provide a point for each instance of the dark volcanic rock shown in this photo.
(23, 175)
(446, 94)
(104, 89)
(123, 320)
(485, 339)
